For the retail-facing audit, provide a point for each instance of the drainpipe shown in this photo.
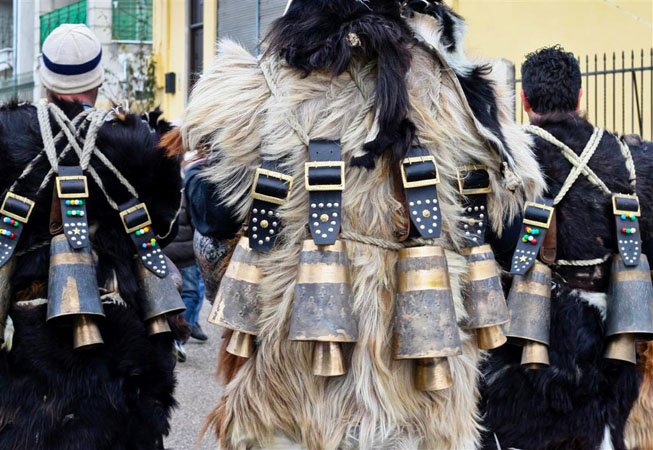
(15, 43)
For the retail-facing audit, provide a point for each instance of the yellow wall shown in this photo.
(510, 28)
(170, 50)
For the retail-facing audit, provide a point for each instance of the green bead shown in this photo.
(69, 213)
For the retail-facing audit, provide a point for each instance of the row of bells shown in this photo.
(74, 297)
(629, 312)
(425, 327)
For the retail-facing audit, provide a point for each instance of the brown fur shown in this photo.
(639, 428)
(173, 143)
(374, 405)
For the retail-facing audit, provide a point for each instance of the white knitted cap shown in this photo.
(72, 57)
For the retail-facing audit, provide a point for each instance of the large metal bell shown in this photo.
(73, 292)
(160, 299)
(236, 303)
(425, 327)
(483, 297)
(529, 306)
(322, 308)
(630, 304)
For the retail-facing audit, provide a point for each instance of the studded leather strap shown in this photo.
(138, 225)
(15, 213)
(324, 177)
(537, 218)
(420, 177)
(72, 190)
(629, 239)
(474, 185)
(271, 189)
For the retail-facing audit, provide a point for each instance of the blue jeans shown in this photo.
(191, 293)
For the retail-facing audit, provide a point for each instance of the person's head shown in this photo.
(551, 82)
(71, 68)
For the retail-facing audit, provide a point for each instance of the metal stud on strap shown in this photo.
(626, 209)
(537, 219)
(138, 225)
(15, 213)
(72, 190)
(420, 177)
(474, 185)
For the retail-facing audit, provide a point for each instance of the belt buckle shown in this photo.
(617, 212)
(125, 213)
(21, 199)
(271, 174)
(419, 183)
(324, 187)
(537, 223)
(61, 194)
(461, 180)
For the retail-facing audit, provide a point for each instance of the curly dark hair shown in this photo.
(551, 80)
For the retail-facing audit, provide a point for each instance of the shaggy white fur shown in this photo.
(243, 110)
(599, 300)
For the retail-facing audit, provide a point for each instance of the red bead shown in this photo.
(534, 241)
(624, 230)
(12, 235)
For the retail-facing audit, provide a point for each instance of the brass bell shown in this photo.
(236, 303)
(621, 347)
(483, 298)
(425, 327)
(433, 374)
(322, 308)
(73, 293)
(160, 299)
(6, 272)
(529, 305)
(629, 308)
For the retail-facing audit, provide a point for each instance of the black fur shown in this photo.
(551, 80)
(444, 15)
(115, 397)
(124, 395)
(313, 35)
(568, 405)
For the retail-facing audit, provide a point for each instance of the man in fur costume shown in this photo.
(583, 399)
(117, 394)
(378, 80)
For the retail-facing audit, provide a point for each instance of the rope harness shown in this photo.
(580, 166)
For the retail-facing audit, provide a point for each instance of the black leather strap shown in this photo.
(271, 189)
(15, 212)
(420, 177)
(72, 190)
(537, 218)
(626, 210)
(474, 185)
(324, 177)
(138, 226)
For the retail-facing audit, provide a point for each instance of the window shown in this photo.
(247, 22)
(73, 13)
(131, 20)
(196, 34)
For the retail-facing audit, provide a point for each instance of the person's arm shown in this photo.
(207, 213)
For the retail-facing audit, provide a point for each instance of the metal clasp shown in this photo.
(324, 164)
(537, 223)
(276, 175)
(21, 199)
(461, 180)
(419, 183)
(618, 212)
(62, 194)
(125, 213)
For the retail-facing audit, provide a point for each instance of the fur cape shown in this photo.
(639, 428)
(243, 109)
(582, 400)
(119, 396)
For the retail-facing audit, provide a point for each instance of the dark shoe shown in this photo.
(198, 334)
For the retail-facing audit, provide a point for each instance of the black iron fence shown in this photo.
(617, 92)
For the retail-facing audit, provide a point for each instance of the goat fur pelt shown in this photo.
(115, 397)
(582, 400)
(120, 395)
(639, 428)
(244, 109)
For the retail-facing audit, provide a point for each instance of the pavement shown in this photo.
(197, 390)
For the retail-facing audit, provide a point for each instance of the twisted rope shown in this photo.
(384, 243)
(569, 154)
(630, 164)
(585, 156)
(582, 262)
